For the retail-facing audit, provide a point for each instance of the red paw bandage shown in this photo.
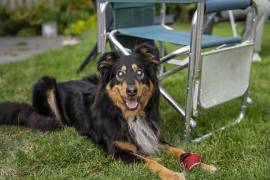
(189, 160)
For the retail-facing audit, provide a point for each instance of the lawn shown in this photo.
(240, 152)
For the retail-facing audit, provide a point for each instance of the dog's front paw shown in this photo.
(178, 176)
(171, 175)
(209, 168)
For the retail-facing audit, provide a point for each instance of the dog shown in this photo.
(118, 110)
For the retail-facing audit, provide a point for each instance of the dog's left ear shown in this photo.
(148, 52)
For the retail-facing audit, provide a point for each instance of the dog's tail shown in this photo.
(41, 115)
(14, 113)
(22, 114)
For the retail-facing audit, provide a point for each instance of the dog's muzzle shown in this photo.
(131, 100)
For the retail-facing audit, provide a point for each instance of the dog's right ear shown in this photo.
(105, 63)
(106, 60)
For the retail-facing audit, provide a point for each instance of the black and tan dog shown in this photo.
(119, 111)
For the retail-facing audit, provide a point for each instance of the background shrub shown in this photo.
(72, 17)
(66, 13)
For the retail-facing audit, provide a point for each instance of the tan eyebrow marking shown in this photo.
(124, 69)
(134, 67)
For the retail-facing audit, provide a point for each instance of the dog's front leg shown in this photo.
(163, 172)
(180, 153)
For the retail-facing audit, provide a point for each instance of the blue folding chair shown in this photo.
(206, 70)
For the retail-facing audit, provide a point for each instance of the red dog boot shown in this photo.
(189, 160)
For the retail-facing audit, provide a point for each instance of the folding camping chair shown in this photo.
(204, 88)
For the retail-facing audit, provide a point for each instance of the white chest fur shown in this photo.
(144, 136)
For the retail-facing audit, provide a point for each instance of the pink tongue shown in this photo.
(131, 103)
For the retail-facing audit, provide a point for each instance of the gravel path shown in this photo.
(19, 48)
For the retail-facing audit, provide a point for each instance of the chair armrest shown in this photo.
(222, 5)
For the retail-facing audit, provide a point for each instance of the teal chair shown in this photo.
(211, 78)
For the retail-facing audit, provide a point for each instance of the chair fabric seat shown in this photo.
(164, 34)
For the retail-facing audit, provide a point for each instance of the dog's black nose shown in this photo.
(131, 90)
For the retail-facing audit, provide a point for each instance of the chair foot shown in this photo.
(249, 100)
(193, 124)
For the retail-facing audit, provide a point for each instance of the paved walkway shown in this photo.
(19, 48)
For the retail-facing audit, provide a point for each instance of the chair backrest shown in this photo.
(121, 15)
(142, 14)
(225, 74)
(133, 14)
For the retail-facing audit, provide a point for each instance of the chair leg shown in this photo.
(162, 53)
(92, 55)
(244, 105)
(194, 65)
(175, 105)
(239, 118)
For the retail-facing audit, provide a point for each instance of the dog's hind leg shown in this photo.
(163, 172)
(44, 98)
(41, 92)
(43, 123)
(53, 104)
(180, 153)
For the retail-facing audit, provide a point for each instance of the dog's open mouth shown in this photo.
(131, 103)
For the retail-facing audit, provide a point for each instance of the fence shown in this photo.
(12, 4)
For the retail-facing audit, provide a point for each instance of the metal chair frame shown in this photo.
(193, 63)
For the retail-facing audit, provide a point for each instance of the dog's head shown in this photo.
(130, 80)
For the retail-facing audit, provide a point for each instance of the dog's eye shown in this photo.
(139, 73)
(119, 75)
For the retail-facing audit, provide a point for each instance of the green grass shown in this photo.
(240, 152)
